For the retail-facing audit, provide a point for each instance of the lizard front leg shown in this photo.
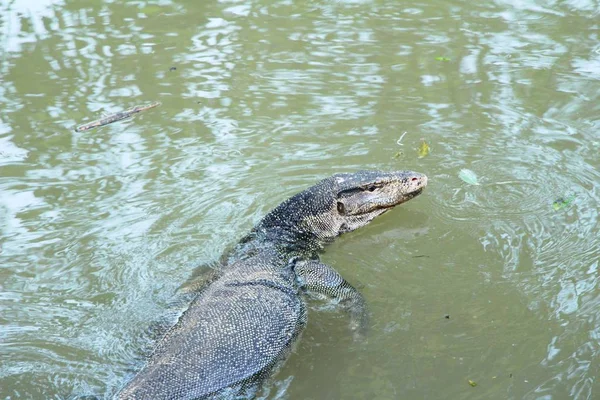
(314, 276)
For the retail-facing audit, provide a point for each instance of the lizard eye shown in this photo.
(340, 207)
(371, 188)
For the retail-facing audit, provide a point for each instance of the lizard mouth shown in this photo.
(407, 197)
(382, 208)
(415, 193)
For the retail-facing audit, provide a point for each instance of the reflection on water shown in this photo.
(261, 99)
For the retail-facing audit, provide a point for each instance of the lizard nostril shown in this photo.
(414, 179)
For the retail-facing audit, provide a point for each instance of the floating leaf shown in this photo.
(442, 59)
(561, 202)
(423, 149)
(472, 383)
(468, 176)
(398, 154)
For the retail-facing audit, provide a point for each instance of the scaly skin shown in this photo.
(241, 327)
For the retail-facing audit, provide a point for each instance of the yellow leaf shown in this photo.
(472, 383)
(423, 149)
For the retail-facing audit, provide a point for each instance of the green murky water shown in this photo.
(259, 100)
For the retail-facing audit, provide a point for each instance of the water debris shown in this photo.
(468, 176)
(118, 116)
(399, 153)
(442, 59)
(447, 316)
(398, 142)
(472, 383)
(173, 69)
(561, 202)
(423, 148)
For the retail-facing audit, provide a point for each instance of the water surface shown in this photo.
(486, 283)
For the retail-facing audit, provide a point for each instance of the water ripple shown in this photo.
(98, 228)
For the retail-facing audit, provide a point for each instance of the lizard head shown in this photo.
(341, 203)
(364, 195)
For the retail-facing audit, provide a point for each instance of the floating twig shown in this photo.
(398, 142)
(118, 116)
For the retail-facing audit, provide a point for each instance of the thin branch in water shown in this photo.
(118, 116)
(398, 142)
